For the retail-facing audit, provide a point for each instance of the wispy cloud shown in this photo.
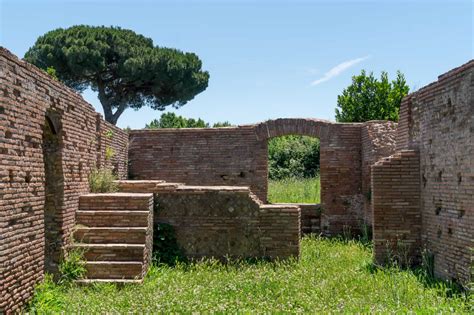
(340, 68)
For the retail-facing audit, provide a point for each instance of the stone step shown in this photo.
(112, 218)
(109, 235)
(116, 201)
(114, 281)
(114, 269)
(112, 252)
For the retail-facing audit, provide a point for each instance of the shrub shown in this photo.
(102, 181)
(293, 156)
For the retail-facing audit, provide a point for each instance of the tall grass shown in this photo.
(302, 190)
(332, 276)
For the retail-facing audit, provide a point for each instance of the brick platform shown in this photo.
(223, 221)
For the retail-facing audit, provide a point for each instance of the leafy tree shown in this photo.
(222, 124)
(293, 156)
(171, 120)
(368, 98)
(125, 68)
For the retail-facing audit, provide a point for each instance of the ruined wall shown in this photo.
(48, 138)
(438, 122)
(112, 148)
(396, 204)
(223, 156)
(239, 156)
(378, 141)
(223, 221)
(440, 119)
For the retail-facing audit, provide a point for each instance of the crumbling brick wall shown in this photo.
(112, 148)
(396, 208)
(239, 156)
(223, 221)
(437, 121)
(48, 146)
(378, 140)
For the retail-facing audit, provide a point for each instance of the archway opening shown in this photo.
(293, 169)
(54, 191)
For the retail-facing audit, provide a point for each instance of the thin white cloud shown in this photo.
(340, 68)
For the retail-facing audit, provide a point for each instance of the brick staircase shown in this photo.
(115, 231)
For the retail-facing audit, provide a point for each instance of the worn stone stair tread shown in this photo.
(116, 281)
(112, 211)
(112, 228)
(112, 218)
(109, 245)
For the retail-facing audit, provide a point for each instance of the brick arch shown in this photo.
(293, 126)
(340, 166)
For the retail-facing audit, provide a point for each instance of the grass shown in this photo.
(301, 190)
(331, 276)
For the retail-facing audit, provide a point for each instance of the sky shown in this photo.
(268, 59)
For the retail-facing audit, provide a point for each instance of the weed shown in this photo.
(72, 267)
(102, 181)
(109, 153)
(331, 276)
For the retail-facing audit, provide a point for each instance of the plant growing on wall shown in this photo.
(125, 68)
(102, 181)
(109, 153)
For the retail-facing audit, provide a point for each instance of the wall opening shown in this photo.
(293, 169)
(54, 190)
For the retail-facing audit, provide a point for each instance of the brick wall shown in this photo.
(112, 148)
(396, 208)
(224, 156)
(438, 120)
(48, 144)
(223, 221)
(378, 140)
(239, 156)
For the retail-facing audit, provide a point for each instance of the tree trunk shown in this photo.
(107, 106)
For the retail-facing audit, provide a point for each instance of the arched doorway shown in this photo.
(54, 190)
(293, 169)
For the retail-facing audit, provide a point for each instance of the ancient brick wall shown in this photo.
(438, 120)
(112, 148)
(223, 221)
(378, 140)
(396, 208)
(48, 142)
(223, 156)
(239, 156)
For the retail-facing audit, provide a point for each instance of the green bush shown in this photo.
(102, 181)
(293, 156)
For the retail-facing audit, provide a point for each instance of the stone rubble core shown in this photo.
(412, 182)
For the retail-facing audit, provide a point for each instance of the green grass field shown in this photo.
(331, 276)
(302, 190)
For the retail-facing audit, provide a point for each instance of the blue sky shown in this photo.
(269, 59)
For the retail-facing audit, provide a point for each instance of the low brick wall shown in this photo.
(223, 221)
(396, 207)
